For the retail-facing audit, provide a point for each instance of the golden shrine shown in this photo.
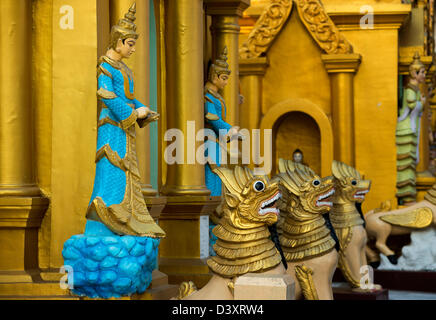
(324, 76)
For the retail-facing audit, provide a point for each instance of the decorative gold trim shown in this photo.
(261, 263)
(305, 279)
(224, 250)
(344, 236)
(266, 29)
(231, 286)
(211, 116)
(221, 232)
(215, 94)
(103, 70)
(108, 120)
(112, 156)
(322, 28)
(296, 240)
(311, 251)
(130, 121)
(345, 219)
(102, 93)
(129, 95)
(186, 289)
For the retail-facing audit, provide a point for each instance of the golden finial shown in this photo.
(416, 64)
(220, 66)
(125, 28)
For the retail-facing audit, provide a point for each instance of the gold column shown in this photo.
(184, 218)
(341, 69)
(251, 75)
(225, 32)
(184, 94)
(424, 143)
(424, 178)
(21, 205)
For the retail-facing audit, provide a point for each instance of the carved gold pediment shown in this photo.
(312, 14)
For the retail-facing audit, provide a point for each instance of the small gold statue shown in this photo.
(306, 239)
(244, 244)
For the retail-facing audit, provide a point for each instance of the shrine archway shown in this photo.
(298, 123)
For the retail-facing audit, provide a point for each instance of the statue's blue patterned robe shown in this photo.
(117, 200)
(118, 250)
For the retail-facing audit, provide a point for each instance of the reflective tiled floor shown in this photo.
(411, 295)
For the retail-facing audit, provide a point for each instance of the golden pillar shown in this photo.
(251, 75)
(225, 33)
(21, 205)
(341, 69)
(424, 178)
(184, 251)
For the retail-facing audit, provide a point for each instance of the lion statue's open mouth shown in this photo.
(326, 199)
(270, 205)
(360, 194)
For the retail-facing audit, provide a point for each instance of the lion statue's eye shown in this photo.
(259, 186)
(354, 182)
(316, 183)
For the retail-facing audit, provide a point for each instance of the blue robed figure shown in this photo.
(118, 251)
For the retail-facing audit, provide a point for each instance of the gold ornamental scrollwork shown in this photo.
(322, 28)
(267, 27)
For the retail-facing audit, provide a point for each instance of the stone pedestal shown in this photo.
(185, 249)
(254, 286)
(349, 294)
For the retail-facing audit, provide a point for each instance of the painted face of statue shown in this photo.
(298, 157)
(220, 81)
(420, 75)
(126, 48)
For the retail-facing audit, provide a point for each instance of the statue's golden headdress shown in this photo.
(125, 28)
(288, 166)
(416, 64)
(234, 180)
(220, 66)
(341, 170)
(294, 175)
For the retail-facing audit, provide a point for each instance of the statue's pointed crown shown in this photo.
(341, 170)
(294, 175)
(220, 65)
(235, 180)
(125, 28)
(416, 64)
